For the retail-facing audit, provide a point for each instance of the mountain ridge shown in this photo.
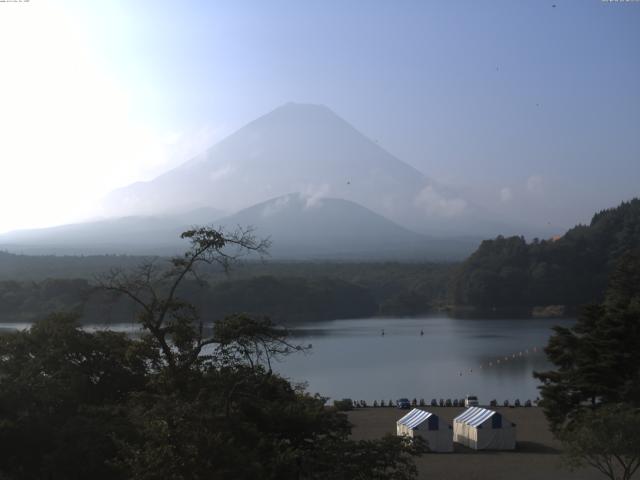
(309, 149)
(301, 227)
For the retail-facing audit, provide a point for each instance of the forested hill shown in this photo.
(38, 267)
(571, 270)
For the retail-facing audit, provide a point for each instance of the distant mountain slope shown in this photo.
(307, 227)
(308, 149)
(570, 270)
(300, 226)
(127, 235)
(304, 148)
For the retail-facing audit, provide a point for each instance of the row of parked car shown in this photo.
(468, 401)
(527, 403)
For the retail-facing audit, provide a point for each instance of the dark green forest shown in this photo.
(288, 292)
(571, 270)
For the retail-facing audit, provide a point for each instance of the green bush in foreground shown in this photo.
(607, 439)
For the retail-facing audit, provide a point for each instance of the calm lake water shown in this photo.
(454, 357)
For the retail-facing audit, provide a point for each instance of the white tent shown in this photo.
(483, 429)
(428, 426)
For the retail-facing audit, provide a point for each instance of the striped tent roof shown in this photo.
(414, 418)
(474, 416)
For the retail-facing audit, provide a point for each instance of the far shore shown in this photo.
(538, 454)
(514, 312)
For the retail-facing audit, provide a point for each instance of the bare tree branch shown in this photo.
(173, 323)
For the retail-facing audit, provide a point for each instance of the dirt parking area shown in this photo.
(537, 456)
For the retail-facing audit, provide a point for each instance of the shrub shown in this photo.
(343, 405)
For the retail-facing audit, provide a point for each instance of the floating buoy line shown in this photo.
(503, 360)
(498, 361)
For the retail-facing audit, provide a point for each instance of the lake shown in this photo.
(453, 357)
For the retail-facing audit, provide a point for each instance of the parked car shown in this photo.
(434, 402)
(471, 401)
(403, 403)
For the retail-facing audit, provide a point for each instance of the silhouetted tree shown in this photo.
(608, 439)
(597, 359)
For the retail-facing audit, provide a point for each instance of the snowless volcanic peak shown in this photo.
(297, 148)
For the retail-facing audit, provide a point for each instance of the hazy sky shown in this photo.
(527, 106)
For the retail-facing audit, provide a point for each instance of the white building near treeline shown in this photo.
(483, 429)
(427, 425)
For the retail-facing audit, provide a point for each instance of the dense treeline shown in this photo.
(39, 267)
(24, 300)
(290, 298)
(571, 270)
(288, 292)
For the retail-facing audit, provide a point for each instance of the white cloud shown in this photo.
(274, 207)
(505, 194)
(313, 194)
(434, 203)
(534, 184)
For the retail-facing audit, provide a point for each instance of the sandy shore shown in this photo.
(538, 454)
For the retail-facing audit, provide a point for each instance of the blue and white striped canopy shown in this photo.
(474, 416)
(414, 418)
